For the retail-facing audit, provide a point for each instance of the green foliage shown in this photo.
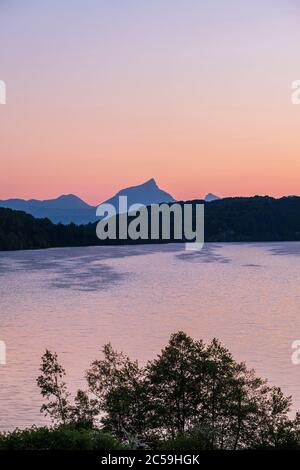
(192, 396)
(84, 411)
(197, 440)
(61, 438)
(190, 392)
(21, 231)
(54, 389)
(119, 386)
(176, 385)
(253, 219)
(226, 220)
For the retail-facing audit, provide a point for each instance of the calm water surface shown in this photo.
(73, 300)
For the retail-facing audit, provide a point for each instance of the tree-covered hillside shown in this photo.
(253, 219)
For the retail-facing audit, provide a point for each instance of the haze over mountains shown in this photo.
(70, 208)
(64, 209)
(236, 219)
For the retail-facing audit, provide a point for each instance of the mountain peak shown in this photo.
(150, 182)
(211, 197)
(146, 193)
(68, 208)
(68, 197)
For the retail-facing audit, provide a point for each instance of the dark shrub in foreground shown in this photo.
(61, 438)
(196, 441)
(192, 396)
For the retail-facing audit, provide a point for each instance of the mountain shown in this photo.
(211, 197)
(253, 219)
(69, 208)
(147, 193)
(64, 209)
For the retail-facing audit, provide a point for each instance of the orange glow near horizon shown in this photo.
(197, 98)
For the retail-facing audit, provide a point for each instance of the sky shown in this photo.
(104, 94)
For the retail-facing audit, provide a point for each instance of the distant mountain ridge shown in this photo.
(248, 219)
(66, 201)
(69, 208)
(64, 209)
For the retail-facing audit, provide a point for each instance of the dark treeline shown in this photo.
(21, 231)
(255, 219)
(192, 396)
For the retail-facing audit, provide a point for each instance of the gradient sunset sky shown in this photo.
(103, 94)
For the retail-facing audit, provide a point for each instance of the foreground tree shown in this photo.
(119, 386)
(192, 395)
(85, 410)
(54, 389)
(176, 385)
(274, 426)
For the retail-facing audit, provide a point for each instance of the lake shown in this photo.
(73, 300)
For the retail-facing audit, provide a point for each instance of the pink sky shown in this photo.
(105, 95)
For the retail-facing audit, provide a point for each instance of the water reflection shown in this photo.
(208, 254)
(285, 249)
(83, 268)
(74, 300)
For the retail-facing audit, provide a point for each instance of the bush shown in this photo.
(186, 443)
(61, 438)
(192, 396)
(199, 439)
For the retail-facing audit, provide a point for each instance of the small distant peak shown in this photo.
(67, 201)
(211, 197)
(68, 196)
